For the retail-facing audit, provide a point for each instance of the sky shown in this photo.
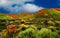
(32, 6)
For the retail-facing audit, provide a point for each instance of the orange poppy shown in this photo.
(41, 11)
(58, 9)
(11, 28)
(12, 15)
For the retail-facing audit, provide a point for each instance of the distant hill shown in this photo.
(46, 9)
(57, 9)
(52, 12)
(49, 13)
(41, 11)
(3, 16)
(12, 15)
(25, 15)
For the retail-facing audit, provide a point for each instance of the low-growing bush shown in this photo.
(34, 33)
(47, 33)
(28, 33)
(10, 35)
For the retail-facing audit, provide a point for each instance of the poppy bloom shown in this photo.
(58, 9)
(11, 28)
(12, 15)
(41, 11)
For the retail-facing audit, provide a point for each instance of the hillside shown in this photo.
(45, 24)
(3, 16)
(25, 15)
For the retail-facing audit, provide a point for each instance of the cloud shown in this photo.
(17, 6)
(31, 8)
(24, 8)
(10, 2)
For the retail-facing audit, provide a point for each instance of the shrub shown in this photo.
(47, 33)
(28, 33)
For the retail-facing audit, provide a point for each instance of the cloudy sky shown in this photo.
(17, 6)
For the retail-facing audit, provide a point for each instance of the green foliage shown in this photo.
(54, 35)
(53, 14)
(47, 33)
(43, 33)
(3, 16)
(28, 33)
(10, 35)
(2, 26)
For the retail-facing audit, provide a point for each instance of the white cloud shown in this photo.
(7, 5)
(2, 2)
(10, 2)
(16, 9)
(31, 8)
(26, 7)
